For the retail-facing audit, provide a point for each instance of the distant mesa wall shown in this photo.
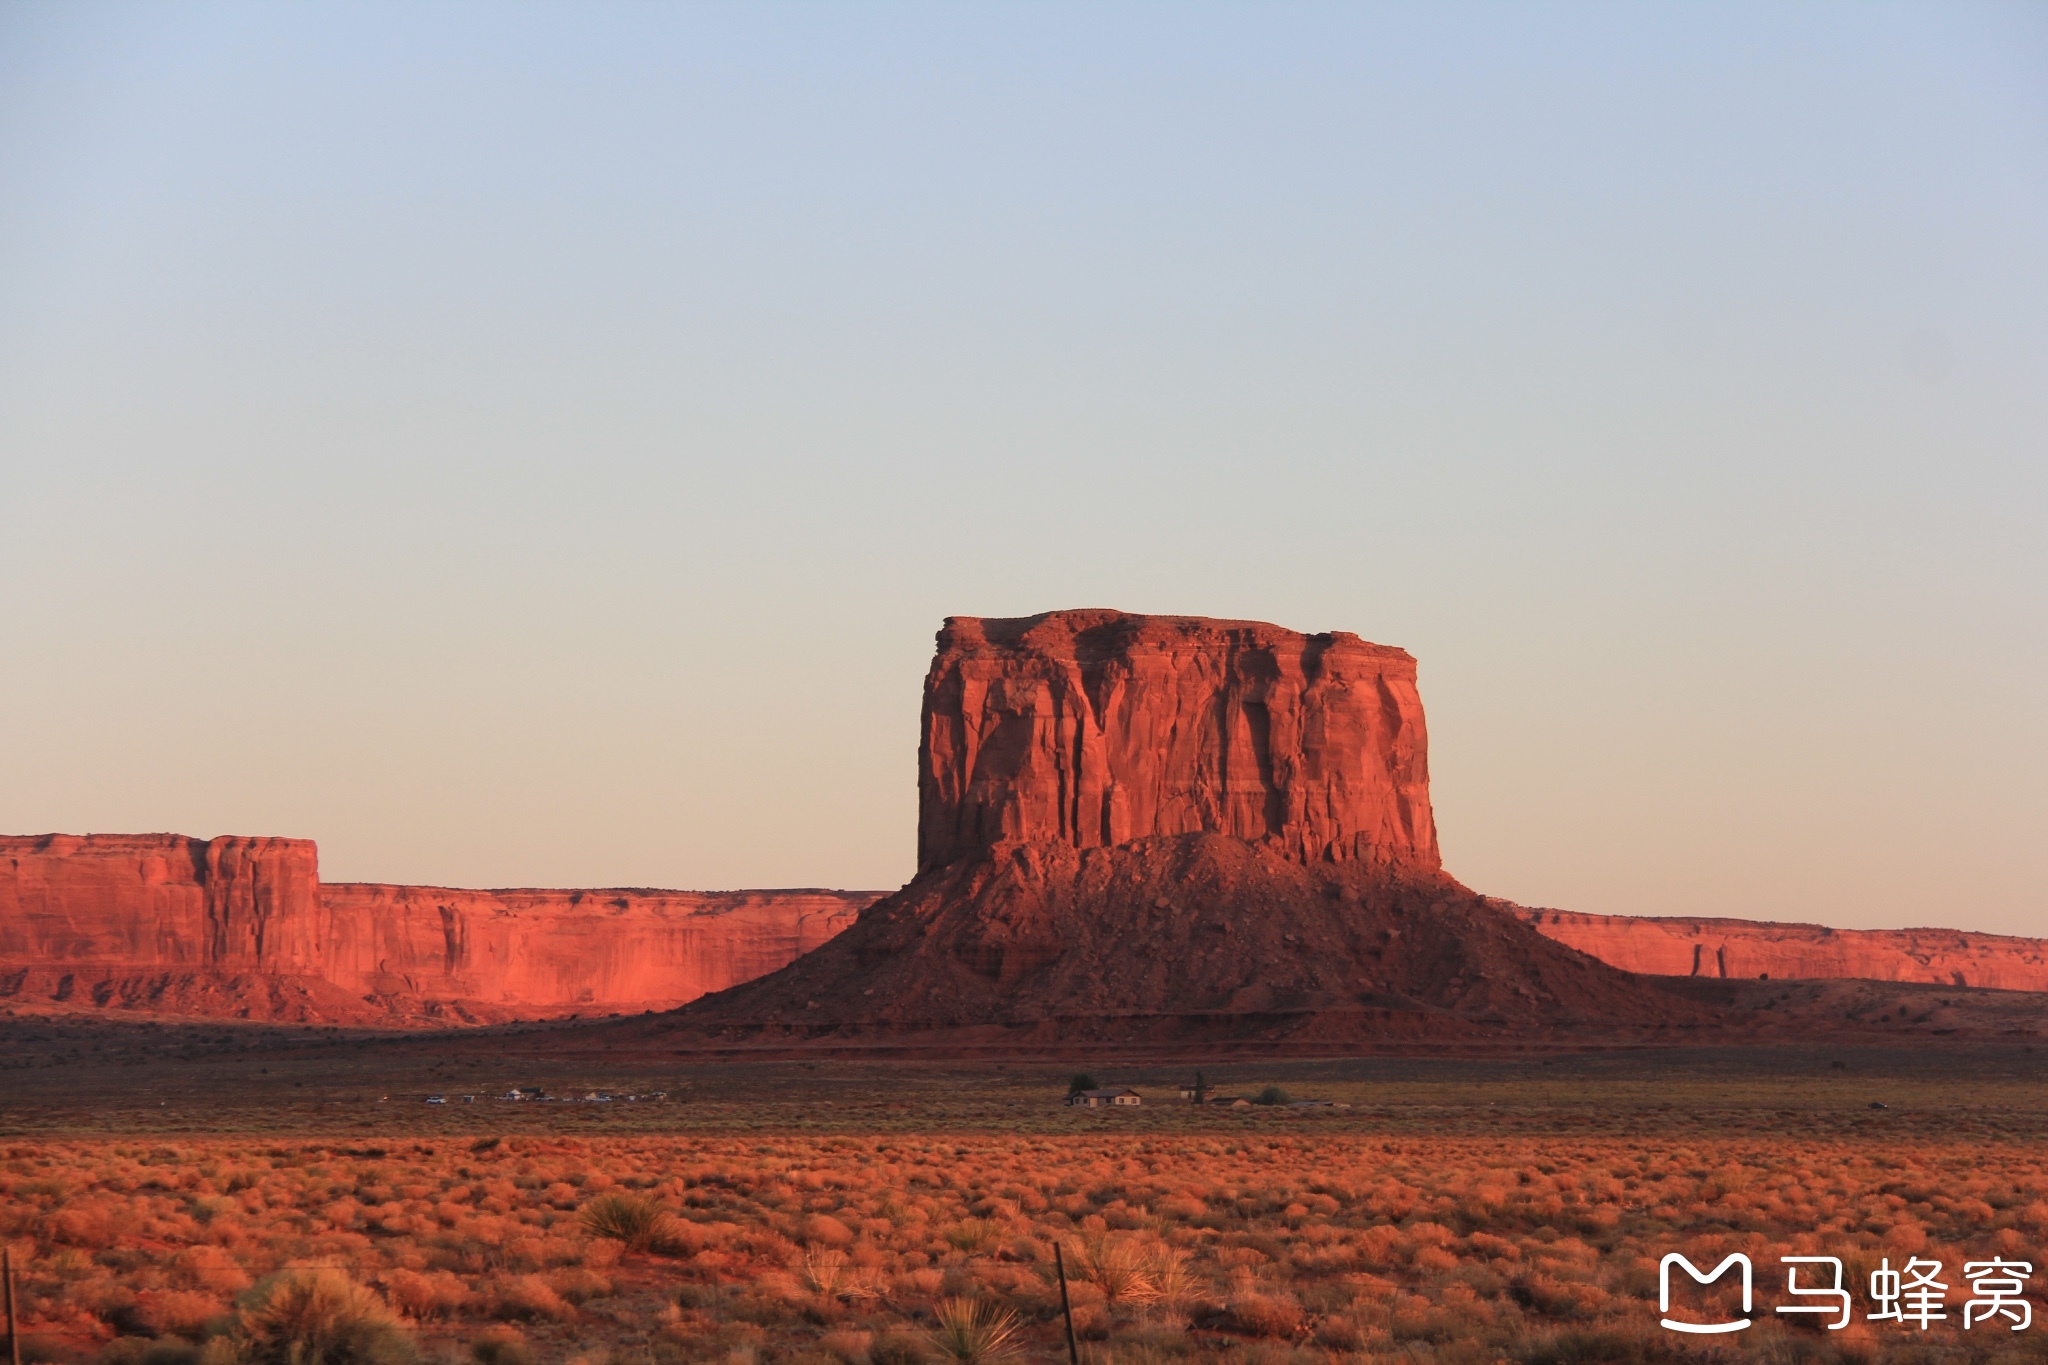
(622, 949)
(243, 925)
(1095, 728)
(1752, 948)
(160, 900)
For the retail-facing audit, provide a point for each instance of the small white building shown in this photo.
(1114, 1097)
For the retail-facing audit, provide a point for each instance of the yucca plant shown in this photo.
(973, 1331)
(972, 1234)
(824, 1269)
(641, 1224)
(1119, 1269)
(320, 1317)
(1172, 1282)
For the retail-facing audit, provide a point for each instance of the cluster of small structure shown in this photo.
(534, 1094)
(1085, 1094)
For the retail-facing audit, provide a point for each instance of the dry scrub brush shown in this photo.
(868, 1250)
(635, 1222)
(319, 1317)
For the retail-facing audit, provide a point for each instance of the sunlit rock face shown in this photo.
(1091, 729)
(160, 900)
(1734, 948)
(244, 927)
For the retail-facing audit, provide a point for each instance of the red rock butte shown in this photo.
(1180, 830)
(1095, 728)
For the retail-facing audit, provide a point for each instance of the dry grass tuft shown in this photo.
(638, 1223)
(179, 1312)
(848, 1346)
(530, 1298)
(1118, 1267)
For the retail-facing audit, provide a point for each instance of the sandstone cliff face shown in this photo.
(159, 900)
(243, 927)
(1732, 948)
(1091, 729)
(556, 950)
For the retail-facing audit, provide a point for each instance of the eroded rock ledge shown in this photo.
(1736, 948)
(243, 927)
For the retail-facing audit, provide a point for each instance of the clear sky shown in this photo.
(536, 444)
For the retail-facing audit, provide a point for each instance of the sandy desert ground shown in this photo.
(168, 1190)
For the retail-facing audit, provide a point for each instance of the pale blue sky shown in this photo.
(535, 445)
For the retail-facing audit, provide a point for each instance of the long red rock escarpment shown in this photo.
(1751, 948)
(241, 926)
(523, 950)
(1094, 728)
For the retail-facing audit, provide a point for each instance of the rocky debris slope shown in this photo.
(1730, 948)
(237, 927)
(1169, 827)
(1190, 937)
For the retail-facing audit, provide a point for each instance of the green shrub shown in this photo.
(319, 1317)
(143, 1351)
(1272, 1094)
(895, 1349)
(1118, 1267)
(640, 1223)
(972, 1234)
(1599, 1346)
(501, 1346)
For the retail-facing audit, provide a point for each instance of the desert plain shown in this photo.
(1460, 1209)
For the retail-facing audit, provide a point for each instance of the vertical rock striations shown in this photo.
(1735, 949)
(521, 952)
(1090, 729)
(160, 900)
(237, 926)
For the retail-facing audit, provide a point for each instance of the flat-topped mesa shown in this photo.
(242, 926)
(160, 899)
(1724, 948)
(1094, 728)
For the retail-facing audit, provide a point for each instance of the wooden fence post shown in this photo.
(13, 1328)
(1066, 1309)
